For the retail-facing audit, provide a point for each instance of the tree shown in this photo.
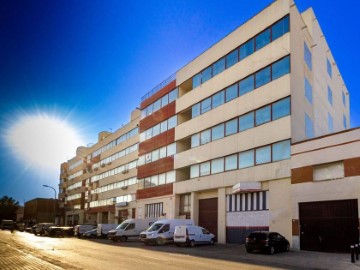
(8, 208)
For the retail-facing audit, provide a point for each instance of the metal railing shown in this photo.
(159, 86)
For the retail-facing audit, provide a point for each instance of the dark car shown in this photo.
(60, 231)
(268, 242)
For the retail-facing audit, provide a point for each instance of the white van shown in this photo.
(192, 235)
(130, 228)
(162, 231)
(103, 229)
(80, 229)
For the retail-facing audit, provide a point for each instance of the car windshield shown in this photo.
(260, 236)
(155, 227)
(122, 226)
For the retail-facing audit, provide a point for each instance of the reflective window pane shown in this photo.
(217, 165)
(173, 95)
(281, 150)
(163, 126)
(219, 66)
(262, 39)
(205, 137)
(280, 28)
(246, 159)
(281, 68)
(171, 149)
(195, 110)
(217, 132)
(263, 154)
(262, 77)
(231, 162)
(172, 122)
(231, 58)
(164, 100)
(195, 140)
(205, 105)
(157, 105)
(194, 171)
(206, 74)
(196, 80)
(231, 127)
(231, 92)
(205, 168)
(246, 85)
(246, 49)
(246, 121)
(263, 115)
(281, 108)
(218, 99)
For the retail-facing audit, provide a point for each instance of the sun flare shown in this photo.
(42, 141)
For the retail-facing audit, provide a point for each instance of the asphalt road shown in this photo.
(73, 253)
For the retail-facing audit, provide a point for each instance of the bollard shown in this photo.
(357, 252)
(352, 253)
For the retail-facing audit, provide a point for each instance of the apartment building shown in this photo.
(99, 184)
(215, 138)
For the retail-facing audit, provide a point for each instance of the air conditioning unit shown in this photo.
(103, 165)
(124, 187)
(109, 163)
(95, 169)
(125, 171)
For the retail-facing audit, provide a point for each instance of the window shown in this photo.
(231, 162)
(231, 58)
(163, 126)
(246, 121)
(308, 91)
(196, 80)
(171, 149)
(205, 105)
(281, 150)
(206, 74)
(330, 95)
(263, 115)
(307, 56)
(172, 122)
(329, 68)
(205, 137)
(219, 66)
(195, 140)
(344, 121)
(195, 110)
(262, 77)
(281, 68)
(246, 85)
(343, 98)
(217, 165)
(185, 203)
(217, 132)
(247, 49)
(218, 99)
(194, 171)
(173, 95)
(231, 127)
(205, 168)
(330, 123)
(309, 127)
(164, 100)
(231, 92)
(262, 39)
(153, 210)
(263, 155)
(280, 28)
(246, 159)
(281, 108)
(157, 105)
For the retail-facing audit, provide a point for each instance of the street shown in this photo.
(22, 250)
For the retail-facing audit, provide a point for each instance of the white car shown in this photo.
(192, 235)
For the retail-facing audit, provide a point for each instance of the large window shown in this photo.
(158, 104)
(307, 56)
(329, 68)
(159, 128)
(153, 210)
(330, 95)
(308, 91)
(251, 119)
(248, 84)
(185, 204)
(154, 155)
(261, 155)
(262, 39)
(343, 98)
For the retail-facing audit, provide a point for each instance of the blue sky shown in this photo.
(89, 62)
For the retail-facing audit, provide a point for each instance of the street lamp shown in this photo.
(54, 201)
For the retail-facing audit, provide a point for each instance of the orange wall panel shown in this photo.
(156, 167)
(166, 89)
(153, 192)
(156, 142)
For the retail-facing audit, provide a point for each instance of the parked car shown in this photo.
(29, 226)
(192, 235)
(269, 242)
(162, 231)
(60, 231)
(103, 229)
(7, 224)
(130, 228)
(90, 234)
(20, 226)
(80, 229)
(40, 228)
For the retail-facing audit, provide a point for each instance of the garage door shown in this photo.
(329, 226)
(208, 214)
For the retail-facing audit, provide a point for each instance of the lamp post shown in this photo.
(54, 201)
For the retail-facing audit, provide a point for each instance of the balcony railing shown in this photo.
(158, 87)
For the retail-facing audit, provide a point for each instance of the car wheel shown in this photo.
(271, 250)
(249, 250)
(212, 241)
(287, 248)
(159, 241)
(123, 238)
(192, 243)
